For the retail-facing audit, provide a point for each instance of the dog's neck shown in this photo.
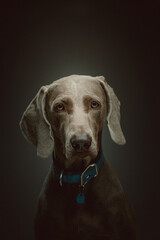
(81, 179)
(58, 163)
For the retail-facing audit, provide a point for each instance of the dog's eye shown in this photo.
(59, 107)
(94, 104)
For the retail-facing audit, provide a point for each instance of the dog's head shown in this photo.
(67, 117)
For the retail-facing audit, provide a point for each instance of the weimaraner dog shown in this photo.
(81, 197)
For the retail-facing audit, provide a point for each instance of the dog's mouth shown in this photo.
(78, 162)
(81, 155)
(78, 166)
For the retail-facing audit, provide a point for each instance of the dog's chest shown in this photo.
(91, 221)
(83, 221)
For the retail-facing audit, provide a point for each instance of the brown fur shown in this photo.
(59, 112)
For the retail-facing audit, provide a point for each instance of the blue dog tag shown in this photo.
(80, 198)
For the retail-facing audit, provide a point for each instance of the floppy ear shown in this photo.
(113, 114)
(35, 126)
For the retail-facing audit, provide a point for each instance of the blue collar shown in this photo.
(90, 172)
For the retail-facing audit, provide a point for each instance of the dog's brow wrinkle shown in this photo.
(93, 97)
(74, 86)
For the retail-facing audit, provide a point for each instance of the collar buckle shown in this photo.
(82, 181)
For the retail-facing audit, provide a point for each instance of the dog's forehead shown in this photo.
(76, 87)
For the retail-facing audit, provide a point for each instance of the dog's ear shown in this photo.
(113, 113)
(35, 126)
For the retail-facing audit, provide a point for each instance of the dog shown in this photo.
(81, 197)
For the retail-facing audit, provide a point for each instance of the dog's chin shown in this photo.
(78, 162)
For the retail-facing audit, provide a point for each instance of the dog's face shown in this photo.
(67, 117)
(76, 111)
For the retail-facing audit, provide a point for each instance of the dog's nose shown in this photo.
(81, 143)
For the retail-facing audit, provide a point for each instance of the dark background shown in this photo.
(45, 41)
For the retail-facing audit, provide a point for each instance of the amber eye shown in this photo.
(94, 104)
(59, 107)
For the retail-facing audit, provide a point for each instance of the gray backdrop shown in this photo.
(43, 42)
